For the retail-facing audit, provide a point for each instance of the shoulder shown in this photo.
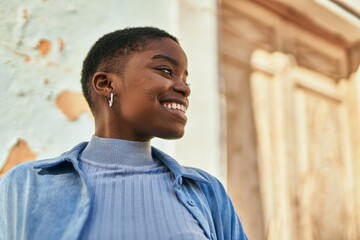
(29, 170)
(211, 180)
(188, 173)
(17, 182)
(20, 171)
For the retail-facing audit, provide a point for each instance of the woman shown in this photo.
(117, 186)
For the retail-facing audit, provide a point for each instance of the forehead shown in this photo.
(165, 49)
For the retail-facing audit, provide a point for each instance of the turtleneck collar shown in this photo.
(118, 152)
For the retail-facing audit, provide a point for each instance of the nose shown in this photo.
(182, 88)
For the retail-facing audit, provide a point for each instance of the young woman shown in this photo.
(116, 186)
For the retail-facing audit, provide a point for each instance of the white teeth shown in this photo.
(175, 106)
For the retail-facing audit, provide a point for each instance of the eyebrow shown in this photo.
(170, 59)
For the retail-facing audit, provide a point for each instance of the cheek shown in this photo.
(157, 82)
(153, 92)
(139, 106)
(142, 98)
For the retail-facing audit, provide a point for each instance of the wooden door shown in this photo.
(292, 126)
(304, 151)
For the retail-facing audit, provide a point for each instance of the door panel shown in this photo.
(304, 152)
(292, 123)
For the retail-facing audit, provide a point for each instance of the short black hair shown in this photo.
(110, 53)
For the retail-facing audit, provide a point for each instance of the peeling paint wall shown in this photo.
(19, 153)
(42, 46)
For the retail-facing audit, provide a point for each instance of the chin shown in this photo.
(173, 135)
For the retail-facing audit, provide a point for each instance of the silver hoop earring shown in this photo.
(111, 101)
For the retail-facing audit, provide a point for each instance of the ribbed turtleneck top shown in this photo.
(133, 196)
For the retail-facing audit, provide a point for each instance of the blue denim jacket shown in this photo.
(50, 199)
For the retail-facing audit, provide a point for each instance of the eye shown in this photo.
(166, 71)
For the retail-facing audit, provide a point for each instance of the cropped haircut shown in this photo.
(110, 53)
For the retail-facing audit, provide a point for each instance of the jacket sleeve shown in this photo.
(226, 220)
(2, 212)
(5, 222)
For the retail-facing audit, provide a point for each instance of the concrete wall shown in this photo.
(42, 46)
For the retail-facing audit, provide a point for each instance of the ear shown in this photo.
(102, 83)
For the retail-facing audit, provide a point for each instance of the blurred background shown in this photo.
(274, 110)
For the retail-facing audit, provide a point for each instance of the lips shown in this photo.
(176, 107)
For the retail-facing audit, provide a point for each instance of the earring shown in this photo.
(111, 101)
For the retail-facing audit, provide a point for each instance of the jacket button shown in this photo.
(191, 203)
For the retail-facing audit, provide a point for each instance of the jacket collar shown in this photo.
(179, 171)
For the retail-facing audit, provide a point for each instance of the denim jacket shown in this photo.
(50, 199)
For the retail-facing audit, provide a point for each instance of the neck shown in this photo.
(101, 130)
(119, 152)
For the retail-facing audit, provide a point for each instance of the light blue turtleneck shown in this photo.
(133, 194)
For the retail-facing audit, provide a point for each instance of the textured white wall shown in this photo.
(201, 146)
(43, 43)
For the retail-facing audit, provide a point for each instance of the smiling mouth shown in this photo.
(175, 106)
(176, 109)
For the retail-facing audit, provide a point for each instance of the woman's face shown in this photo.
(152, 97)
